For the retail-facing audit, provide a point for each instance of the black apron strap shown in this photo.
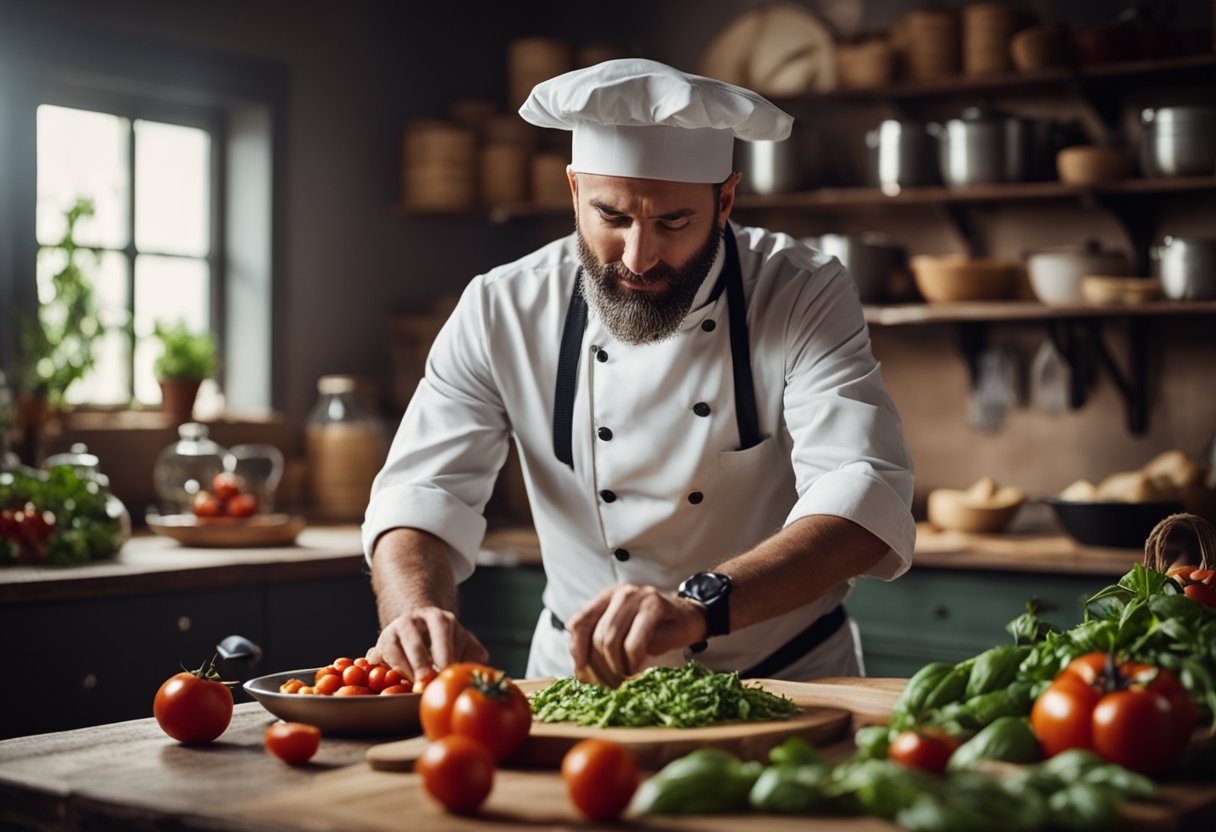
(740, 353)
(746, 417)
(567, 372)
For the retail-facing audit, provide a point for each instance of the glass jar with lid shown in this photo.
(186, 467)
(347, 445)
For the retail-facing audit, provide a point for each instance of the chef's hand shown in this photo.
(627, 623)
(425, 640)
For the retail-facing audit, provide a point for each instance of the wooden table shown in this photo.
(130, 776)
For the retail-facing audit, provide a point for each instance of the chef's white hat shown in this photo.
(644, 119)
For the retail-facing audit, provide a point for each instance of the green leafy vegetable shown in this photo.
(83, 529)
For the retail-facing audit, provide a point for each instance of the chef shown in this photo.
(710, 455)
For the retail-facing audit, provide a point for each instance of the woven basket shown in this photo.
(1181, 539)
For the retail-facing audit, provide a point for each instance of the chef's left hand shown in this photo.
(628, 623)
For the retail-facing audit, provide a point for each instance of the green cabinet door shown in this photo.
(500, 605)
(931, 614)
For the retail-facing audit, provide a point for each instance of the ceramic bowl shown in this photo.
(956, 279)
(951, 510)
(1114, 524)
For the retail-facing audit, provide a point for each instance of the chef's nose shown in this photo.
(641, 249)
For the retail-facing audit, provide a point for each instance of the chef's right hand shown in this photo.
(423, 641)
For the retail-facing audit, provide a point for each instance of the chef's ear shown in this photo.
(726, 197)
(573, 177)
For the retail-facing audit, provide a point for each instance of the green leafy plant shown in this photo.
(187, 356)
(55, 348)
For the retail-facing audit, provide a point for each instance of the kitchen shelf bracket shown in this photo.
(967, 231)
(1081, 343)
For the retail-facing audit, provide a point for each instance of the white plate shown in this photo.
(339, 716)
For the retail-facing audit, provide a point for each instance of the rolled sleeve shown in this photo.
(429, 510)
(869, 502)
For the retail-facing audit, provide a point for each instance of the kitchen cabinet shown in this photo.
(500, 605)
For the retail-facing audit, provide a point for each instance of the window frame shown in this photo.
(134, 108)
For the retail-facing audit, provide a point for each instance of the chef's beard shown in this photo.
(645, 317)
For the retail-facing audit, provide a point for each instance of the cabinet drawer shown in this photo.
(954, 613)
(102, 661)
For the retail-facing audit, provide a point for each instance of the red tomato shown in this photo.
(1181, 573)
(354, 675)
(342, 663)
(225, 486)
(326, 671)
(193, 707)
(293, 742)
(392, 689)
(1203, 575)
(926, 749)
(328, 684)
(1203, 593)
(494, 712)
(435, 708)
(204, 505)
(457, 772)
(600, 778)
(242, 505)
(376, 678)
(354, 690)
(1139, 716)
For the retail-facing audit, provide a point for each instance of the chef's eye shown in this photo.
(614, 219)
(674, 225)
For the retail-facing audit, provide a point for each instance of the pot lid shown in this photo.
(78, 457)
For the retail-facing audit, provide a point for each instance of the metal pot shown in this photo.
(870, 258)
(1055, 274)
(775, 167)
(983, 146)
(1187, 267)
(1179, 141)
(901, 154)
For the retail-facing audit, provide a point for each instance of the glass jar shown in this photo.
(260, 468)
(346, 446)
(186, 467)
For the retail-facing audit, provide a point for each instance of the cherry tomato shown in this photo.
(328, 684)
(456, 771)
(376, 678)
(242, 505)
(291, 686)
(1203, 593)
(926, 749)
(225, 486)
(329, 669)
(494, 712)
(354, 675)
(354, 690)
(601, 777)
(1062, 716)
(1181, 573)
(435, 708)
(393, 689)
(1167, 685)
(193, 707)
(293, 742)
(1203, 575)
(342, 663)
(205, 505)
(8, 525)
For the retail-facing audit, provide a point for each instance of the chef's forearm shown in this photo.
(411, 569)
(796, 565)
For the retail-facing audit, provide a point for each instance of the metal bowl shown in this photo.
(338, 716)
(1119, 525)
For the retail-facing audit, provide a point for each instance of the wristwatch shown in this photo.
(711, 590)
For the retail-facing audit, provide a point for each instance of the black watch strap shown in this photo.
(712, 590)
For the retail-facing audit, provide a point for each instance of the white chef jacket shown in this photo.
(663, 492)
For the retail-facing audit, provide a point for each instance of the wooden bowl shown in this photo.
(951, 510)
(1104, 290)
(955, 279)
(1093, 165)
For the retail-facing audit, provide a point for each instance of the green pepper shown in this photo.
(706, 781)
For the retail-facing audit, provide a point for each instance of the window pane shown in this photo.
(109, 381)
(172, 169)
(82, 154)
(167, 289)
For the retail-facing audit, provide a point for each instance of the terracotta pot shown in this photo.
(177, 398)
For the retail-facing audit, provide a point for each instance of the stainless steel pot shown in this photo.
(775, 167)
(983, 146)
(1187, 267)
(1179, 141)
(870, 258)
(901, 154)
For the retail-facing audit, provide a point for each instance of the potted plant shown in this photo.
(187, 359)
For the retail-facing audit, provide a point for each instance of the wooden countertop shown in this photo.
(130, 776)
(148, 563)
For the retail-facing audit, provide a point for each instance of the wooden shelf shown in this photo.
(497, 214)
(1019, 310)
(1005, 83)
(836, 198)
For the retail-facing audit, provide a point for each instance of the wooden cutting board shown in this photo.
(828, 710)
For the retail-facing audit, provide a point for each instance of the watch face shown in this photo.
(706, 586)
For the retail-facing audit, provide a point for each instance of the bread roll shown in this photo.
(1174, 466)
(1126, 487)
(1081, 491)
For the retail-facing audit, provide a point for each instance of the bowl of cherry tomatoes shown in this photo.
(226, 515)
(349, 697)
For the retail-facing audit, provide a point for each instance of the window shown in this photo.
(152, 184)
